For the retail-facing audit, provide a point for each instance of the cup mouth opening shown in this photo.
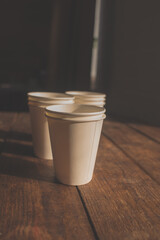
(92, 118)
(49, 96)
(86, 94)
(49, 103)
(75, 110)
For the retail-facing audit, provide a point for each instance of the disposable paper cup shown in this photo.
(88, 98)
(37, 103)
(75, 132)
(96, 103)
(86, 94)
(44, 96)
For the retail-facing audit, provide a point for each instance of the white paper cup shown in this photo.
(37, 103)
(75, 132)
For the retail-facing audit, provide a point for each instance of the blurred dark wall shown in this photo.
(44, 45)
(24, 39)
(129, 58)
(71, 45)
(24, 49)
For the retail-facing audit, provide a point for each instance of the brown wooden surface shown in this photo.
(32, 204)
(121, 202)
(151, 131)
(141, 149)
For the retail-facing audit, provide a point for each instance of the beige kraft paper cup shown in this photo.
(39, 123)
(75, 132)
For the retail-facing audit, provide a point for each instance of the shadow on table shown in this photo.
(33, 168)
(17, 158)
(17, 143)
(3, 134)
(21, 136)
(17, 148)
(12, 135)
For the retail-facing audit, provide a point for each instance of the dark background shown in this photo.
(47, 45)
(129, 58)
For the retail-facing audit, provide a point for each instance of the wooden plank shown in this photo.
(150, 131)
(6, 121)
(33, 204)
(19, 139)
(142, 150)
(22, 124)
(122, 201)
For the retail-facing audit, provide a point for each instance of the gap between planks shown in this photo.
(131, 158)
(128, 156)
(143, 133)
(120, 129)
(11, 127)
(121, 197)
(87, 213)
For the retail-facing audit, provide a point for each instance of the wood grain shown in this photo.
(19, 139)
(150, 131)
(33, 205)
(6, 121)
(122, 201)
(143, 151)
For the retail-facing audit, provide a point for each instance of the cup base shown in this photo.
(43, 157)
(74, 184)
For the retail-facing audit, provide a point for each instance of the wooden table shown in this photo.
(121, 202)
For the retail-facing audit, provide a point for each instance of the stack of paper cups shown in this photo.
(37, 102)
(75, 132)
(88, 98)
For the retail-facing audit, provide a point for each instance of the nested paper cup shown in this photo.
(48, 96)
(37, 103)
(75, 132)
(84, 98)
(88, 98)
(86, 102)
(86, 94)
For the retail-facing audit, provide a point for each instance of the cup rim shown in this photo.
(75, 110)
(92, 118)
(49, 96)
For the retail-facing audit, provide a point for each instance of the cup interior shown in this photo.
(76, 110)
(49, 96)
